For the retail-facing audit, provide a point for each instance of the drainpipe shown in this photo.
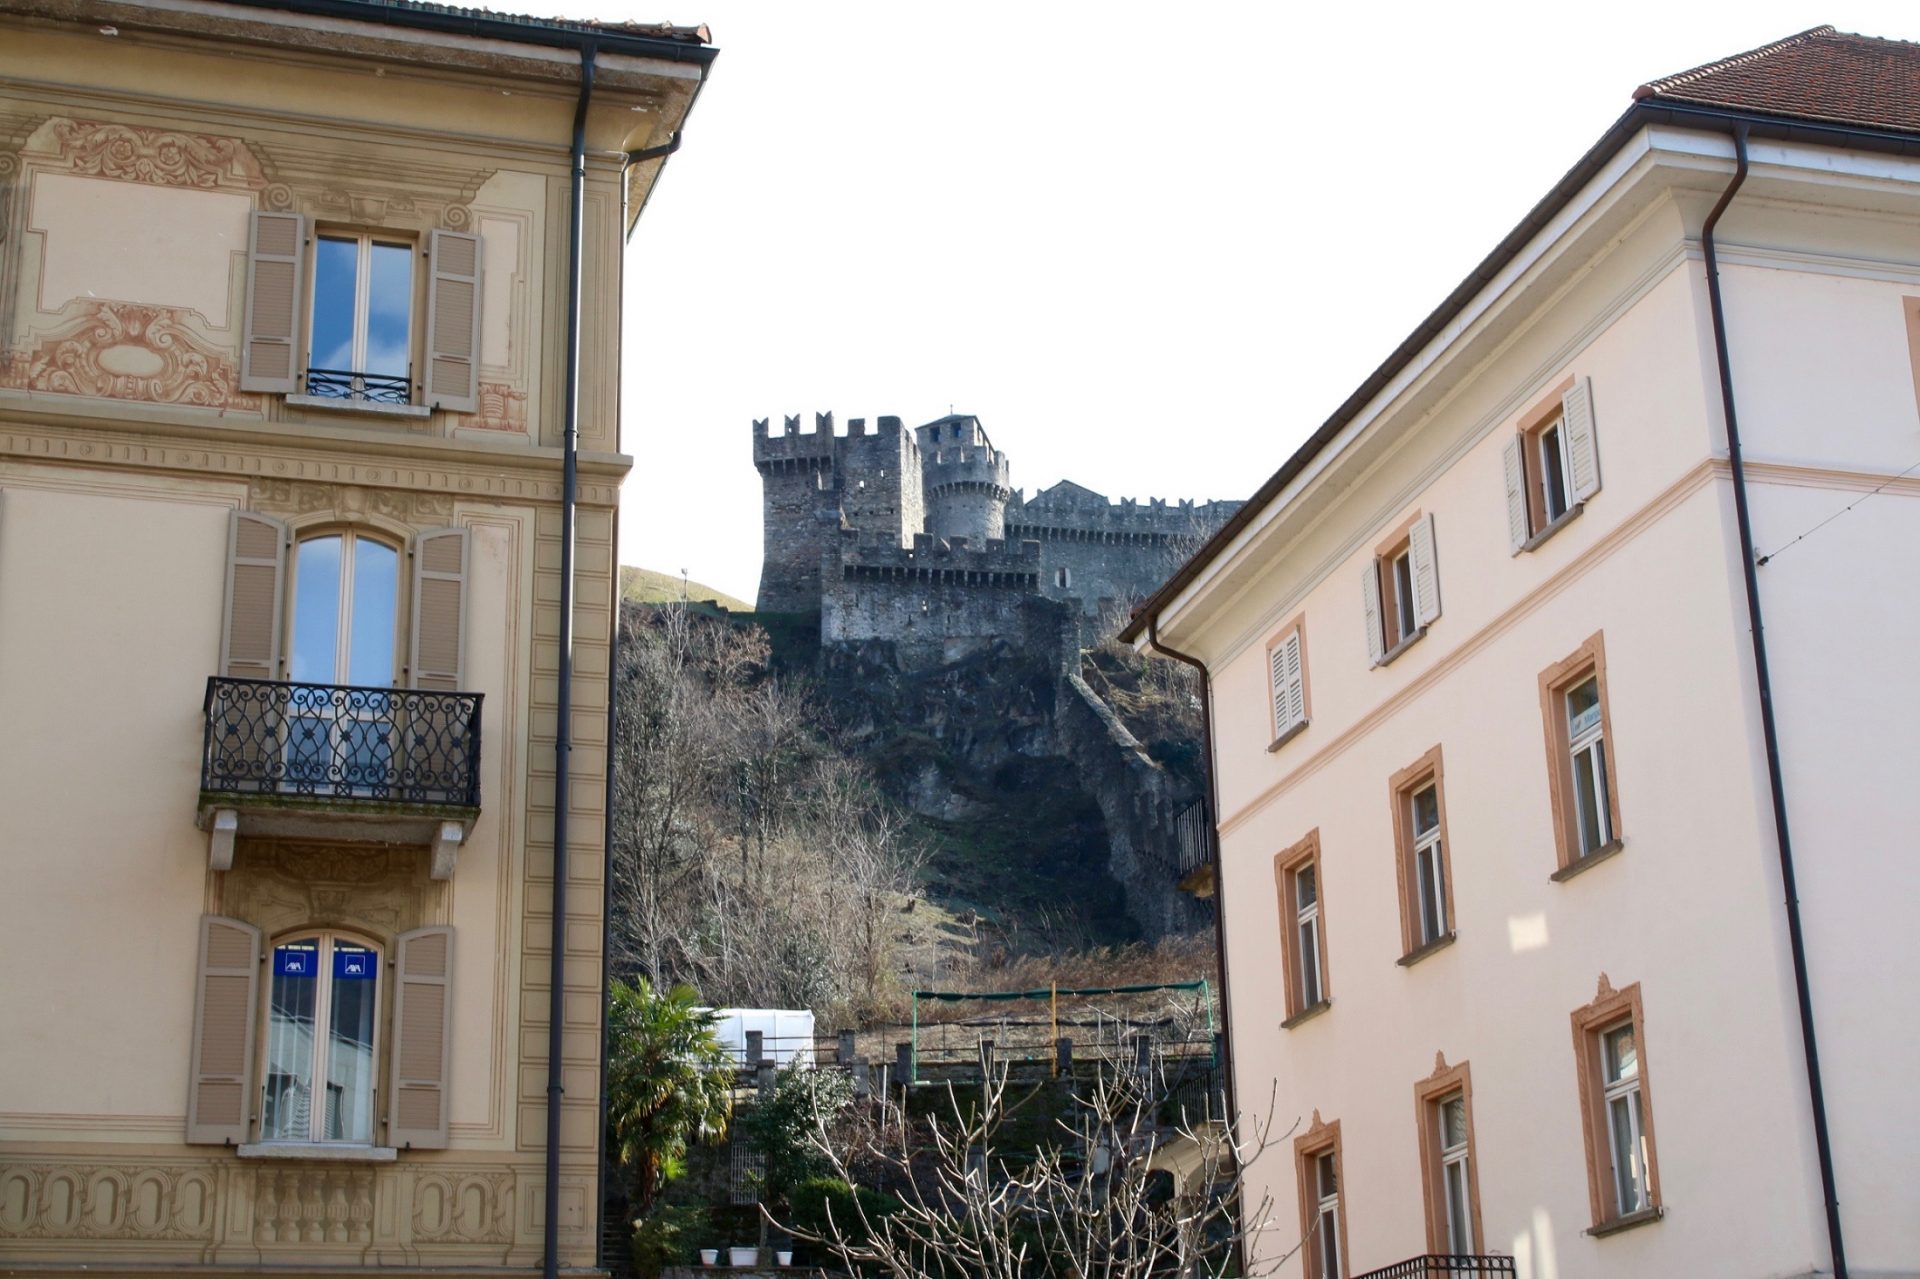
(563, 730)
(1219, 896)
(1770, 732)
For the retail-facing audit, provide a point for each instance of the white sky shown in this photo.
(1151, 246)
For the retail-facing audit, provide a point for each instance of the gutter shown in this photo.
(1651, 110)
(482, 25)
(1770, 733)
(563, 728)
(1232, 1117)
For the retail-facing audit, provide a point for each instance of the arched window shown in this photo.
(346, 593)
(346, 603)
(323, 995)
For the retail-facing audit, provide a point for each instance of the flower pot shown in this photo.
(783, 1257)
(709, 1256)
(749, 1256)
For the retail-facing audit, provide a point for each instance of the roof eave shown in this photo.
(1648, 111)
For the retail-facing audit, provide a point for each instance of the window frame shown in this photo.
(1287, 865)
(1322, 1139)
(1609, 1011)
(1395, 588)
(1402, 787)
(328, 937)
(365, 237)
(1284, 733)
(1556, 682)
(349, 534)
(1429, 1097)
(1545, 414)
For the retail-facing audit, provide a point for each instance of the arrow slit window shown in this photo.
(323, 994)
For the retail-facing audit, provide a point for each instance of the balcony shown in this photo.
(1194, 841)
(1442, 1266)
(330, 761)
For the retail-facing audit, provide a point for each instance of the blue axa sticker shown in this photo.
(295, 961)
(354, 965)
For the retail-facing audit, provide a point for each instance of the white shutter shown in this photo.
(1370, 588)
(1289, 701)
(422, 1022)
(221, 1076)
(250, 641)
(453, 321)
(1583, 454)
(1426, 571)
(1515, 466)
(269, 349)
(439, 608)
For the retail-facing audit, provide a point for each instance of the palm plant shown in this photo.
(669, 1082)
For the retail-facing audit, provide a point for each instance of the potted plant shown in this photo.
(742, 1257)
(709, 1256)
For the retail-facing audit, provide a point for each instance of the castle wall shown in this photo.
(879, 474)
(937, 602)
(1103, 555)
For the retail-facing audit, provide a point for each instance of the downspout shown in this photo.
(562, 730)
(606, 898)
(1770, 732)
(1232, 1117)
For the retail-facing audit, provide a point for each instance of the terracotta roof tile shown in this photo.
(1821, 74)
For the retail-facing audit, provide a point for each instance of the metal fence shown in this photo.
(267, 737)
(1442, 1265)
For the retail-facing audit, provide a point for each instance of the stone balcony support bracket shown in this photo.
(446, 848)
(225, 824)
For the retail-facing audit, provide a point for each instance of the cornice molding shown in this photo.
(531, 478)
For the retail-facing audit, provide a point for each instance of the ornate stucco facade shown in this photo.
(186, 809)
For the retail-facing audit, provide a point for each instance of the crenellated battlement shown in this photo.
(876, 507)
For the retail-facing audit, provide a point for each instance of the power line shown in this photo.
(1763, 560)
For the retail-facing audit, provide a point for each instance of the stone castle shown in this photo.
(917, 537)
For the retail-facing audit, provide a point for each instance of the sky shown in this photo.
(1151, 247)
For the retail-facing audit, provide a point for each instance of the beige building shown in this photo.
(1508, 836)
(292, 705)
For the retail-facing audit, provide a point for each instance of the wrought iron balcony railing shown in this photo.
(343, 384)
(1442, 1266)
(332, 741)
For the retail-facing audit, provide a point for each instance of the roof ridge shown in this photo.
(1674, 81)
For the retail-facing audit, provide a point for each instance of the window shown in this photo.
(322, 999)
(1287, 681)
(1302, 921)
(1063, 578)
(346, 593)
(361, 336)
(1617, 1116)
(331, 1021)
(334, 315)
(1323, 1218)
(1584, 786)
(1425, 873)
(1552, 465)
(1444, 1103)
(1401, 590)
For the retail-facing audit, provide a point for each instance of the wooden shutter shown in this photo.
(1289, 695)
(1426, 571)
(422, 1022)
(453, 321)
(250, 642)
(224, 1004)
(1516, 469)
(1370, 588)
(1583, 455)
(269, 352)
(439, 609)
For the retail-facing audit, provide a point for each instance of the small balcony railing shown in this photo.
(1443, 1266)
(343, 384)
(338, 742)
(1192, 835)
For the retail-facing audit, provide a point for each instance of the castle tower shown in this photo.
(879, 480)
(800, 511)
(967, 480)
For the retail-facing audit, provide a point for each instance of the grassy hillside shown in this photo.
(645, 586)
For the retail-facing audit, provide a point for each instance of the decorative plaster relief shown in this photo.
(502, 408)
(291, 497)
(278, 885)
(463, 1206)
(157, 156)
(126, 351)
(68, 1200)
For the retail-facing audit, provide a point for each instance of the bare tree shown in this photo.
(1124, 1193)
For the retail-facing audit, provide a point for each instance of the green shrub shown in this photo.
(813, 1198)
(669, 1235)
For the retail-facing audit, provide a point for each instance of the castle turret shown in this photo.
(800, 511)
(967, 480)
